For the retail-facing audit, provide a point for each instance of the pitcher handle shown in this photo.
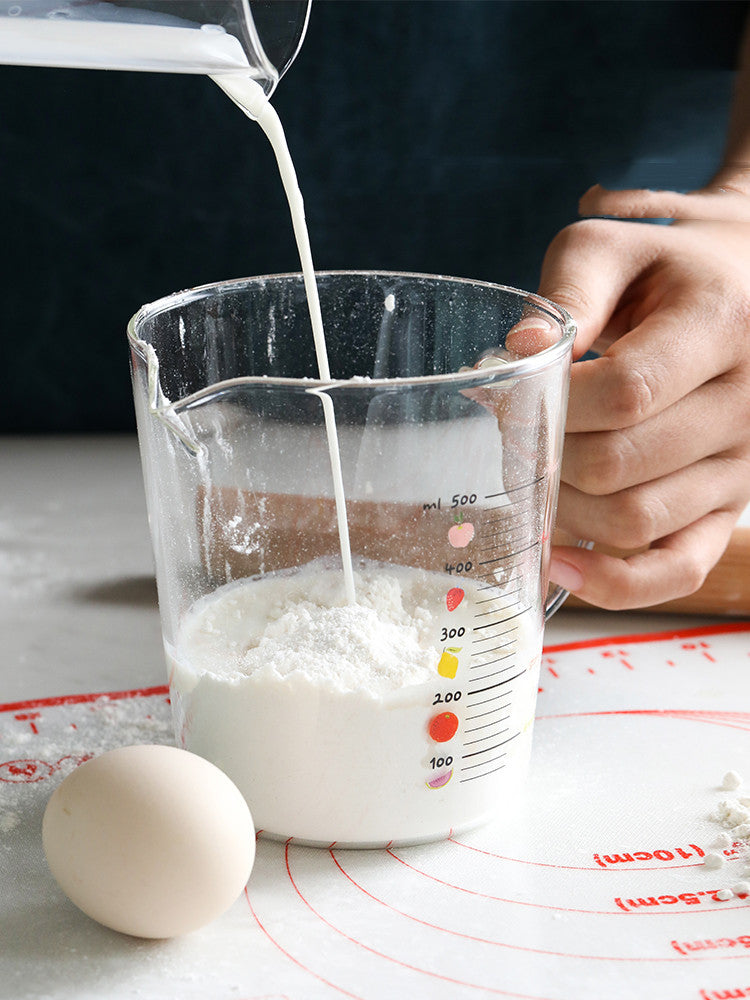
(556, 594)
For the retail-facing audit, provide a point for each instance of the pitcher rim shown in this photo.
(533, 364)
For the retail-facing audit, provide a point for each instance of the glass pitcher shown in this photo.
(407, 713)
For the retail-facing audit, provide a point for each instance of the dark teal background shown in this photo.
(451, 137)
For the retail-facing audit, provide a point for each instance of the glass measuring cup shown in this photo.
(449, 398)
(259, 37)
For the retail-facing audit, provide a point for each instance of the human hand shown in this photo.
(657, 450)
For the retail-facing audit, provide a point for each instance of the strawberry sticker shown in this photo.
(453, 598)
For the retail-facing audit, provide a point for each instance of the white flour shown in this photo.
(294, 625)
(734, 816)
(320, 712)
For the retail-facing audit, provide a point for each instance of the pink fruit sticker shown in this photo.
(461, 534)
(441, 780)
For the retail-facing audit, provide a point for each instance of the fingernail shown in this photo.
(565, 574)
(532, 323)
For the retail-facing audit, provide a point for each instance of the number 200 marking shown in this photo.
(446, 698)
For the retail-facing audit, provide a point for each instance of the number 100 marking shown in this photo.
(441, 762)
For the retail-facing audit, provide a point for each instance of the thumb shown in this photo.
(587, 268)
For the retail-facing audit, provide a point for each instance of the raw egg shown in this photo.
(149, 840)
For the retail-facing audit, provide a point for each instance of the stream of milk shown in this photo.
(251, 99)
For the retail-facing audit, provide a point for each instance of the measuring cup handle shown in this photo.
(555, 598)
(555, 594)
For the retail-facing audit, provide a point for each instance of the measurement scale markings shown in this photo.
(511, 503)
(491, 687)
(493, 547)
(501, 527)
(511, 506)
(486, 677)
(492, 600)
(505, 512)
(478, 753)
(484, 774)
(516, 513)
(511, 543)
(494, 586)
(490, 663)
(486, 701)
(511, 632)
(482, 715)
(484, 763)
(514, 489)
(510, 555)
(495, 611)
(501, 621)
(484, 652)
(489, 736)
(507, 525)
(482, 739)
(486, 724)
(507, 532)
(488, 638)
(475, 680)
(488, 576)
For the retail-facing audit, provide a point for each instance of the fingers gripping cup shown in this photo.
(407, 712)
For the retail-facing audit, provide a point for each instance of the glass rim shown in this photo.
(532, 364)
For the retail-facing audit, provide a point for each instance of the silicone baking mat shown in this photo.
(592, 887)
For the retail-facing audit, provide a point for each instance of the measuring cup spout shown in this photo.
(145, 358)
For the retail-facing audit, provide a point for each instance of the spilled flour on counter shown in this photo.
(44, 753)
(732, 848)
(9, 820)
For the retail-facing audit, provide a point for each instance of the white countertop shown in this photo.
(76, 572)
